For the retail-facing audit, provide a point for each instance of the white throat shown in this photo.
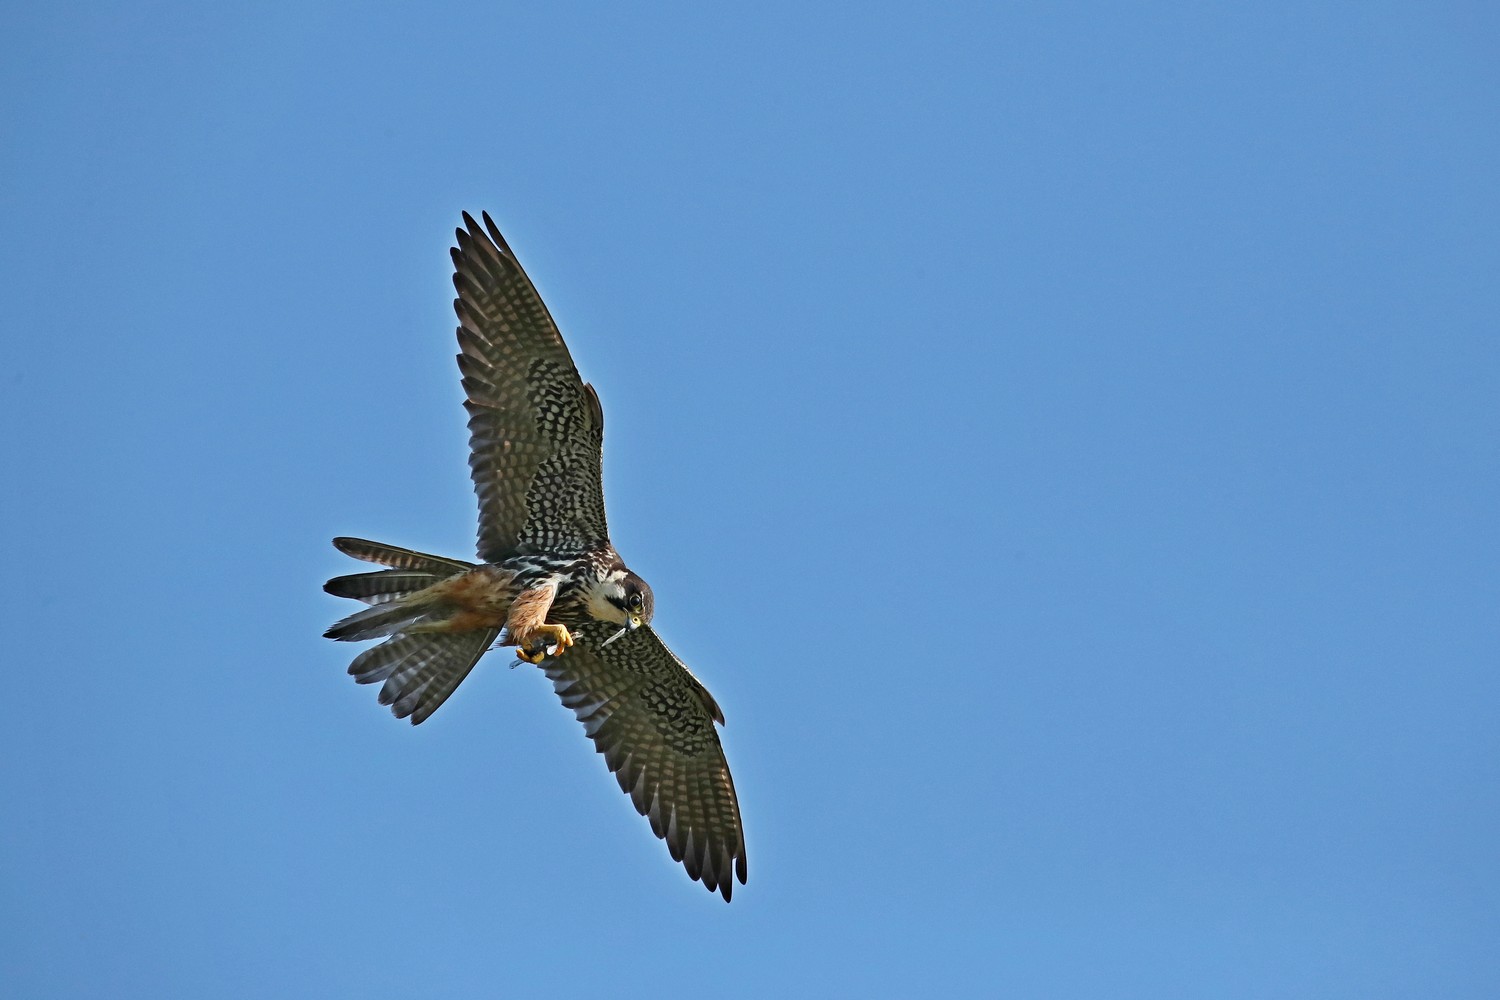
(600, 593)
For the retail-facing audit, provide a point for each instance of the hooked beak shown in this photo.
(631, 624)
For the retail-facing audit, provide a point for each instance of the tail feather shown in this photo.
(379, 621)
(386, 590)
(396, 557)
(380, 586)
(420, 671)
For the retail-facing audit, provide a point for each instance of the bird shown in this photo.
(547, 580)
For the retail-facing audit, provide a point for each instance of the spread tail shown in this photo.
(421, 670)
(388, 591)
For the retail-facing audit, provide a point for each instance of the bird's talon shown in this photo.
(561, 637)
(531, 656)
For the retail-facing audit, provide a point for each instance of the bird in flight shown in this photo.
(548, 581)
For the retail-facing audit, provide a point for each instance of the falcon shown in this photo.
(548, 581)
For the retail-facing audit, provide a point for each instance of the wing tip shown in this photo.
(494, 231)
(488, 235)
(725, 882)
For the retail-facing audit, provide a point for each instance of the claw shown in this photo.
(556, 636)
(561, 637)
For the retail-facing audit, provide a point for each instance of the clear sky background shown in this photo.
(1063, 436)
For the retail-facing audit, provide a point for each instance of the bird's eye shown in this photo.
(634, 600)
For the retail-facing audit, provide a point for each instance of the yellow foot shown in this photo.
(555, 635)
(561, 637)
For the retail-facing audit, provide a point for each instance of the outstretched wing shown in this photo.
(654, 723)
(535, 428)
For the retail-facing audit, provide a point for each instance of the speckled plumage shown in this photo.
(547, 574)
(535, 428)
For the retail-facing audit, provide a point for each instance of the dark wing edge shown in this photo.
(535, 430)
(654, 723)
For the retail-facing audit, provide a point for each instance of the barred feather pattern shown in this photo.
(654, 723)
(536, 432)
(420, 671)
(380, 587)
(397, 557)
(535, 429)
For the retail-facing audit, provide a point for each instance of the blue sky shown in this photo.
(1062, 436)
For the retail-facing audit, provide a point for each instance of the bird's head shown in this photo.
(625, 599)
